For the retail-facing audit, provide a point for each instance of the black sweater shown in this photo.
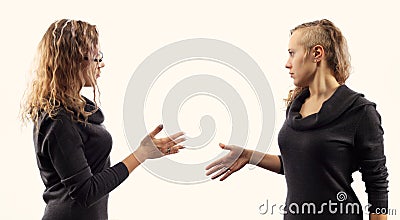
(321, 151)
(74, 164)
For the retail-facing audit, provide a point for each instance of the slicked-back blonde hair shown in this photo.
(61, 69)
(325, 33)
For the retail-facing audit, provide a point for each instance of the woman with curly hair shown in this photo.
(71, 144)
(329, 133)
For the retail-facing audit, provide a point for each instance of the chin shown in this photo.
(300, 84)
(296, 84)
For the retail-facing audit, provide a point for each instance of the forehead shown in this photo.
(294, 41)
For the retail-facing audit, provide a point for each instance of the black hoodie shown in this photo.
(321, 151)
(74, 164)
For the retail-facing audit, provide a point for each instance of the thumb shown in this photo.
(156, 130)
(225, 147)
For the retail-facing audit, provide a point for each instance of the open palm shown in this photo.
(151, 147)
(235, 160)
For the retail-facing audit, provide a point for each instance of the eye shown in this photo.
(291, 53)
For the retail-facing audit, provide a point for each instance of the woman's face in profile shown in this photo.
(300, 65)
(96, 63)
(99, 63)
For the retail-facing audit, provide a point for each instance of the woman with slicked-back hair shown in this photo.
(71, 144)
(330, 132)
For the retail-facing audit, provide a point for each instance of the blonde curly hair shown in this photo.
(60, 69)
(325, 33)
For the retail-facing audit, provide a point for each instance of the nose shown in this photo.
(101, 64)
(288, 64)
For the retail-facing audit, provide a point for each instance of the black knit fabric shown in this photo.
(74, 164)
(321, 151)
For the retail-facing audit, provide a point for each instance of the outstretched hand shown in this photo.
(151, 147)
(235, 160)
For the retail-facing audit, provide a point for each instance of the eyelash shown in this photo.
(291, 53)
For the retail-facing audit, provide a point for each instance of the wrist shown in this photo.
(247, 155)
(131, 162)
(140, 156)
(254, 157)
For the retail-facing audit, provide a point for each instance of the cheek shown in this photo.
(89, 74)
(297, 64)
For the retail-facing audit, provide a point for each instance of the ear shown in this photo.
(318, 53)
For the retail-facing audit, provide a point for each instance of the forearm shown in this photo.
(377, 217)
(131, 162)
(266, 161)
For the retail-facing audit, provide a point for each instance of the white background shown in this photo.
(130, 32)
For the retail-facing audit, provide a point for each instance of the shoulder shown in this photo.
(364, 102)
(366, 110)
(58, 123)
(358, 99)
(55, 131)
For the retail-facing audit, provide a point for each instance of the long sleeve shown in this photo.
(64, 146)
(281, 171)
(370, 152)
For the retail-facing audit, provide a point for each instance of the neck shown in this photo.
(323, 85)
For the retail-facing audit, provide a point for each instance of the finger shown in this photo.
(179, 147)
(232, 169)
(220, 172)
(175, 142)
(176, 149)
(215, 169)
(176, 135)
(166, 150)
(215, 163)
(156, 131)
(171, 144)
(227, 174)
(171, 138)
(225, 147)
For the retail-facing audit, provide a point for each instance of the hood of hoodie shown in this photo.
(342, 100)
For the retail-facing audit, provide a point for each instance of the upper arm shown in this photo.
(65, 148)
